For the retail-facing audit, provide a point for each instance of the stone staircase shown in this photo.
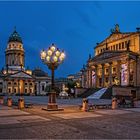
(103, 93)
(98, 94)
(107, 94)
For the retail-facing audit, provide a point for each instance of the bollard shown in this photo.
(21, 103)
(9, 101)
(85, 105)
(1, 100)
(114, 103)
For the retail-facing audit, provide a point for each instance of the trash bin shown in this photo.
(114, 103)
(21, 103)
(85, 105)
(9, 101)
(1, 100)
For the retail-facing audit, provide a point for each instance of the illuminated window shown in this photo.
(15, 83)
(43, 87)
(122, 45)
(30, 90)
(31, 84)
(106, 79)
(114, 69)
(15, 90)
(9, 90)
(106, 70)
(9, 83)
(116, 46)
(25, 90)
(119, 46)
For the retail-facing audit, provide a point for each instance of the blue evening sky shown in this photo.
(75, 26)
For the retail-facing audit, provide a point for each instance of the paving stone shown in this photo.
(76, 115)
(112, 112)
(12, 112)
(22, 119)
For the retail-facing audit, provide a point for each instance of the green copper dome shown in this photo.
(15, 37)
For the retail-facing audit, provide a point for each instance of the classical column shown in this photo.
(134, 73)
(90, 77)
(96, 76)
(18, 87)
(119, 71)
(88, 81)
(102, 75)
(110, 73)
(23, 86)
(128, 71)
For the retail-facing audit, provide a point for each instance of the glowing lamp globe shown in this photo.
(49, 52)
(57, 53)
(53, 48)
(43, 54)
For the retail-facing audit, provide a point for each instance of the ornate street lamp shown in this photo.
(52, 57)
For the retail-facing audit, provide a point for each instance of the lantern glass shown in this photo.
(49, 52)
(43, 54)
(55, 59)
(53, 48)
(48, 58)
(62, 55)
(57, 53)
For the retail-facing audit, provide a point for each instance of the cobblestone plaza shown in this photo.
(72, 123)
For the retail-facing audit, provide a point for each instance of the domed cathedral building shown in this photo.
(14, 53)
(116, 64)
(14, 78)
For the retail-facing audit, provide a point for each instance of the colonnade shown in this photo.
(110, 73)
(20, 86)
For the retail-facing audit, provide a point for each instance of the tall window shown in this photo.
(122, 45)
(116, 46)
(119, 46)
(43, 87)
(30, 90)
(25, 90)
(15, 90)
(9, 90)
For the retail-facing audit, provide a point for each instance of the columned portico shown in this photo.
(103, 74)
(119, 71)
(128, 71)
(110, 73)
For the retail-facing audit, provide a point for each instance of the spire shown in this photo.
(15, 37)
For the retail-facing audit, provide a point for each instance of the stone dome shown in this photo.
(15, 37)
(39, 73)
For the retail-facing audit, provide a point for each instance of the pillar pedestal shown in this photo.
(52, 105)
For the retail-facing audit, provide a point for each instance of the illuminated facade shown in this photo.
(116, 61)
(14, 78)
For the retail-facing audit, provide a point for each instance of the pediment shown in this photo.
(21, 75)
(114, 37)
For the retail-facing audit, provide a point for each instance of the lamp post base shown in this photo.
(52, 105)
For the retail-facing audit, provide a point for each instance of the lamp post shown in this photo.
(52, 57)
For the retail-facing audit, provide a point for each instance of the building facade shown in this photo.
(116, 61)
(14, 78)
